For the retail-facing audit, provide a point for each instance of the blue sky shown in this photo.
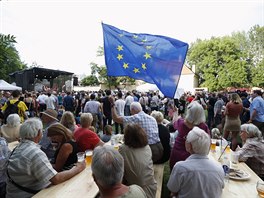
(66, 34)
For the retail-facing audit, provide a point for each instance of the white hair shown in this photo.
(86, 119)
(199, 140)
(136, 106)
(251, 130)
(158, 116)
(30, 128)
(13, 120)
(107, 166)
(195, 113)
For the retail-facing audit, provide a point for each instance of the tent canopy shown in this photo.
(152, 87)
(6, 86)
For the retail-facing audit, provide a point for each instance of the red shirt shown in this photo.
(86, 139)
(233, 109)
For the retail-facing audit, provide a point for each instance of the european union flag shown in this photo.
(152, 58)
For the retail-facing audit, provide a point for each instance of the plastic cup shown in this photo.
(80, 156)
(260, 188)
(234, 158)
(89, 156)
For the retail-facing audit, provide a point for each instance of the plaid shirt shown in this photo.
(252, 153)
(147, 122)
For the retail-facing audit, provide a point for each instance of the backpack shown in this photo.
(10, 109)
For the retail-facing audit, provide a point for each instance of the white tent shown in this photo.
(152, 87)
(6, 86)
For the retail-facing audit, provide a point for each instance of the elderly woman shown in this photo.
(108, 171)
(29, 167)
(138, 159)
(68, 121)
(188, 178)
(252, 149)
(194, 117)
(164, 136)
(10, 130)
(85, 138)
(232, 118)
(65, 155)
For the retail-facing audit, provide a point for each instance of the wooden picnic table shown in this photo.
(81, 185)
(238, 188)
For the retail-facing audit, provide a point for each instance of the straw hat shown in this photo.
(51, 113)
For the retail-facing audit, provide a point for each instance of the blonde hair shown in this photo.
(235, 98)
(68, 120)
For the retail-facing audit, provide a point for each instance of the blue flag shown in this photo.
(152, 58)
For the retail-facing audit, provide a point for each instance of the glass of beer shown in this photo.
(89, 155)
(260, 188)
(213, 145)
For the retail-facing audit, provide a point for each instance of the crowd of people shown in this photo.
(53, 127)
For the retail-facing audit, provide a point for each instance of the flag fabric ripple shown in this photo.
(152, 58)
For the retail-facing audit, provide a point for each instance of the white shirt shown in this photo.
(129, 100)
(120, 106)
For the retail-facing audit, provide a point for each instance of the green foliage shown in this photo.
(90, 81)
(258, 75)
(229, 61)
(9, 57)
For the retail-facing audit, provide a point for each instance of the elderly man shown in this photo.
(147, 122)
(108, 172)
(188, 178)
(28, 168)
(85, 138)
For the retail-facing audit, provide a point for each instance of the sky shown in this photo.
(65, 35)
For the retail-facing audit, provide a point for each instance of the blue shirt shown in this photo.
(258, 105)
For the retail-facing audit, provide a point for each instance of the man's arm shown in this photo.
(65, 175)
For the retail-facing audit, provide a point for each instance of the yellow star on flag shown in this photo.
(147, 55)
(148, 47)
(135, 36)
(119, 47)
(136, 70)
(125, 65)
(144, 40)
(143, 65)
(120, 56)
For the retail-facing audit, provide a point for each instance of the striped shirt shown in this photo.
(29, 167)
(147, 122)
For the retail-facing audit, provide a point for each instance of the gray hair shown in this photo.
(158, 116)
(195, 113)
(199, 140)
(86, 119)
(13, 120)
(30, 128)
(251, 130)
(107, 166)
(136, 106)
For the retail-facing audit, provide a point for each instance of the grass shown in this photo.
(165, 193)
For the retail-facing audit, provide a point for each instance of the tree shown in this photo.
(9, 57)
(258, 75)
(90, 81)
(218, 62)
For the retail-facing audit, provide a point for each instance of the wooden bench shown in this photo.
(158, 175)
